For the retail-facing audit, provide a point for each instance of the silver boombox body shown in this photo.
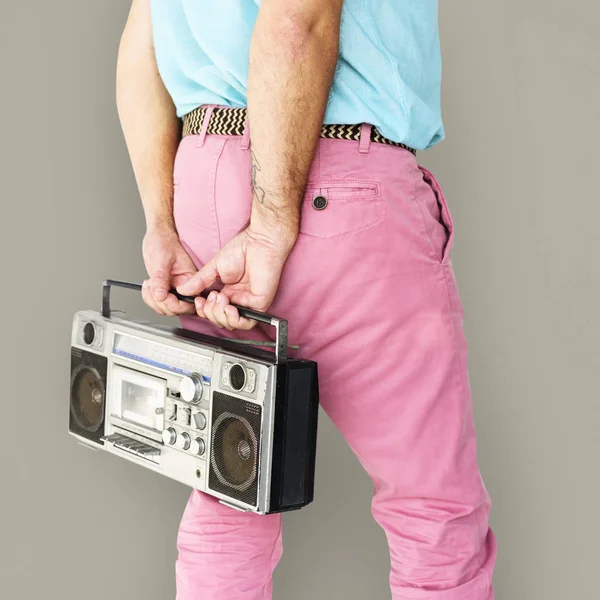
(227, 418)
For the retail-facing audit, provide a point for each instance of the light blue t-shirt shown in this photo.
(388, 73)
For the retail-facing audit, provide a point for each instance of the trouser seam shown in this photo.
(445, 268)
(273, 564)
(214, 192)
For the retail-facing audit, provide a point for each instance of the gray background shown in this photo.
(521, 97)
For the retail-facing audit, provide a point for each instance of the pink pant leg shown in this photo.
(225, 554)
(371, 296)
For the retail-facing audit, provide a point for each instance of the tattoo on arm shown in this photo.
(259, 193)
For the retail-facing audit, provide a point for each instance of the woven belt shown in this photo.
(232, 121)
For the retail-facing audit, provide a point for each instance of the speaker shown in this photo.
(88, 394)
(235, 448)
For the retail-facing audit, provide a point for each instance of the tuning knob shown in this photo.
(200, 421)
(183, 441)
(198, 446)
(169, 436)
(190, 388)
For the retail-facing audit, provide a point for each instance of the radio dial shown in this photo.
(198, 447)
(191, 388)
(169, 436)
(183, 441)
(200, 421)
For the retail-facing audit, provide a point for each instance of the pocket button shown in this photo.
(319, 202)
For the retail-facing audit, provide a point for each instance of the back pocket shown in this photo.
(335, 208)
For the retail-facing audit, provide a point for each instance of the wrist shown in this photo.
(281, 228)
(160, 223)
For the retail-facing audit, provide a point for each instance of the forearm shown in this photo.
(148, 119)
(292, 62)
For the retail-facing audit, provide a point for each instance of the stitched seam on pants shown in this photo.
(445, 268)
(272, 565)
(214, 190)
(489, 582)
(445, 271)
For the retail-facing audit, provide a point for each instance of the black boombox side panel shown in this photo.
(95, 368)
(295, 435)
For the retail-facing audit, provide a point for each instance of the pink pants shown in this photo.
(370, 295)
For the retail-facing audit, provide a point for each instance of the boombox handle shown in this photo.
(281, 325)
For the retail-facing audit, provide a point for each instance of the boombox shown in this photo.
(232, 418)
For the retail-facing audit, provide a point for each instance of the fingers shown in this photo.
(237, 322)
(214, 310)
(149, 298)
(168, 265)
(171, 306)
(202, 280)
(178, 307)
(217, 309)
(158, 286)
(160, 283)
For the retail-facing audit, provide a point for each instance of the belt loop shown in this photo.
(205, 122)
(365, 138)
(245, 143)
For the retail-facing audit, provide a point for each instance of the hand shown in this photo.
(250, 267)
(168, 266)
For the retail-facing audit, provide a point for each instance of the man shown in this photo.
(311, 204)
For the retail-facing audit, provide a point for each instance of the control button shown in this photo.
(184, 416)
(224, 377)
(191, 388)
(319, 202)
(250, 385)
(183, 441)
(169, 436)
(198, 446)
(200, 421)
(171, 411)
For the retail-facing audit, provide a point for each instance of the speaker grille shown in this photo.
(235, 448)
(87, 398)
(88, 394)
(237, 377)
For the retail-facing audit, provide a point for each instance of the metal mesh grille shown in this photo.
(237, 377)
(87, 398)
(88, 394)
(235, 448)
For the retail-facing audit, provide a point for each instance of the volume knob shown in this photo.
(183, 441)
(169, 436)
(198, 446)
(190, 388)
